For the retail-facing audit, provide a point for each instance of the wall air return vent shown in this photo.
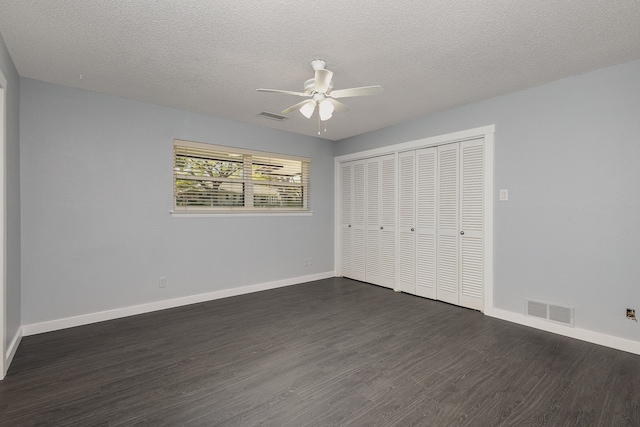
(537, 309)
(272, 116)
(561, 314)
(551, 312)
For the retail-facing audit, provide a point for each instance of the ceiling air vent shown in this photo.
(272, 116)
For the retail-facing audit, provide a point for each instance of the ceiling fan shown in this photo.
(320, 92)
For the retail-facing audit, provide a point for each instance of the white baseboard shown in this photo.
(11, 350)
(85, 319)
(577, 333)
(623, 344)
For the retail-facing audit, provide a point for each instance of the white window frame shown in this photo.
(248, 182)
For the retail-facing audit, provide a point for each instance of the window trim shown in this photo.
(248, 184)
(176, 214)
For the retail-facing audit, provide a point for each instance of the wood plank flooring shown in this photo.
(332, 352)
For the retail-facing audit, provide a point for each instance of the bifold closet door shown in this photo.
(380, 221)
(471, 224)
(417, 222)
(440, 214)
(407, 223)
(460, 247)
(447, 253)
(426, 181)
(352, 208)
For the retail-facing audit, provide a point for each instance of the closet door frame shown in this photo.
(485, 132)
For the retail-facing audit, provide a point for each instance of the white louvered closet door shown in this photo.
(380, 221)
(358, 256)
(438, 196)
(372, 251)
(447, 256)
(407, 223)
(426, 167)
(352, 210)
(471, 218)
(346, 209)
(388, 221)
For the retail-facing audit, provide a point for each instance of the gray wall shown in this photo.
(12, 189)
(96, 196)
(569, 153)
(96, 191)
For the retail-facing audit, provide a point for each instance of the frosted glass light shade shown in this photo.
(326, 110)
(308, 109)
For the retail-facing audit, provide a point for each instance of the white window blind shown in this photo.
(219, 179)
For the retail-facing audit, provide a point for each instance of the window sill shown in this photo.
(179, 214)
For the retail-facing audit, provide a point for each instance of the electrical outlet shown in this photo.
(162, 282)
(631, 314)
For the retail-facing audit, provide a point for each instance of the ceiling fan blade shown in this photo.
(338, 106)
(286, 92)
(298, 106)
(356, 91)
(322, 80)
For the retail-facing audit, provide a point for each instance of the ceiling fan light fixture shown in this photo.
(308, 109)
(325, 110)
(319, 92)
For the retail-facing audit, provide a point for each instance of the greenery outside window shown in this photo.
(219, 179)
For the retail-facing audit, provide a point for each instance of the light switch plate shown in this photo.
(504, 195)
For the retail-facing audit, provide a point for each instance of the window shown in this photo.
(217, 179)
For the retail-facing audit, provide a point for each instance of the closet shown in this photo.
(417, 227)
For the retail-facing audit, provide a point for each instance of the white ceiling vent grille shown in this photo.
(272, 116)
(551, 312)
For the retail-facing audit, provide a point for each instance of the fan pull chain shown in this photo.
(318, 122)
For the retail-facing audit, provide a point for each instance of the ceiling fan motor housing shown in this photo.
(318, 64)
(309, 87)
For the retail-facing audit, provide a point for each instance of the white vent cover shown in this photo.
(272, 116)
(561, 314)
(551, 312)
(537, 309)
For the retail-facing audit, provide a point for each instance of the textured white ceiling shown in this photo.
(210, 56)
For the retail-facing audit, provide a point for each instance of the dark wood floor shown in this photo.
(331, 352)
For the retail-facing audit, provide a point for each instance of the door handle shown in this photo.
(462, 233)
